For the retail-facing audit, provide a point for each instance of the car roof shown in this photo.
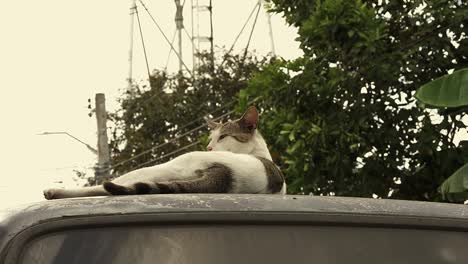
(134, 204)
(316, 208)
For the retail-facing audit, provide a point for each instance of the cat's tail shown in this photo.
(214, 179)
(137, 188)
(53, 193)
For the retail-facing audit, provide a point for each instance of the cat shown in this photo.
(237, 161)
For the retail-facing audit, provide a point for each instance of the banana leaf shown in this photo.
(455, 187)
(450, 90)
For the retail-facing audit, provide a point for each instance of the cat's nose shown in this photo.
(209, 148)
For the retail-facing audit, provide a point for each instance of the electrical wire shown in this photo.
(252, 30)
(143, 43)
(166, 155)
(182, 135)
(188, 35)
(165, 37)
(202, 117)
(181, 148)
(170, 50)
(240, 32)
(168, 142)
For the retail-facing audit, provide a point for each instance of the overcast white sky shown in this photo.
(54, 55)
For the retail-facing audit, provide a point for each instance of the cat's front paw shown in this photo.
(52, 193)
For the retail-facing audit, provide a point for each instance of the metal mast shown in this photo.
(194, 48)
(130, 52)
(210, 8)
(270, 31)
(199, 10)
(179, 20)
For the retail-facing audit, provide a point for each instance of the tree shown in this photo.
(342, 119)
(148, 127)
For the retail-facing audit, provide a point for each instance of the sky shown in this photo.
(54, 55)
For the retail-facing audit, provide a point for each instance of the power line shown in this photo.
(217, 110)
(166, 155)
(158, 146)
(191, 123)
(181, 148)
(188, 35)
(172, 42)
(197, 119)
(168, 142)
(242, 30)
(182, 135)
(165, 37)
(252, 30)
(151, 97)
(170, 50)
(202, 117)
(143, 43)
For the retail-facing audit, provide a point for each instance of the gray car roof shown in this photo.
(132, 204)
(324, 208)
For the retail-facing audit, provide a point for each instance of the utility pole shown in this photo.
(103, 165)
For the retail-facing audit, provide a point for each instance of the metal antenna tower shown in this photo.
(200, 11)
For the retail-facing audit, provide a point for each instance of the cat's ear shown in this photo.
(249, 119)
(211, 124)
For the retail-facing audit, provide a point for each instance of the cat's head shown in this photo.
(234, 136)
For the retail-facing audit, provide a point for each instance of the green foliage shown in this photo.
(454, 189)
(174, 105)
(450, 90)
(342, 119)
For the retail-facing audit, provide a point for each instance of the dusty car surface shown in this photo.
(234, 229)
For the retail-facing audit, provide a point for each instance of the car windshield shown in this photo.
(216, 244)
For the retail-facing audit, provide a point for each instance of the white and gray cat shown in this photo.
(238, 161)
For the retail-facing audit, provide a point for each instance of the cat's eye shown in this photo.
(221, 137)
